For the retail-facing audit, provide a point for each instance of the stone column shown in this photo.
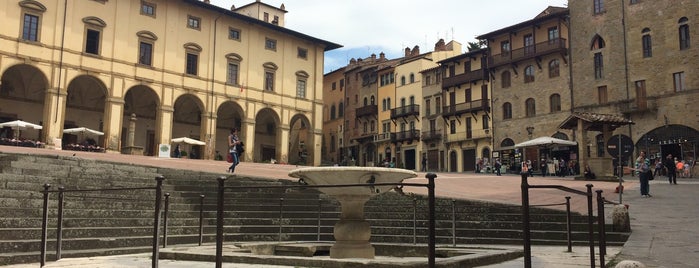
(315, 152)
(53, 117)
(352, 232)
(207, 133)
(248, 137)
(283, 144)
(113, 117)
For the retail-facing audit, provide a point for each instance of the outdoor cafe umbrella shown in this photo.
(544, 142)
(18, 125)
(188, 141)
(83, 131)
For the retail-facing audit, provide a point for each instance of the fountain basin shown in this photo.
(352, 232)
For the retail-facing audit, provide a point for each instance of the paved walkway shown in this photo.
(664, 227)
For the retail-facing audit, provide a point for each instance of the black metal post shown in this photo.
(590, 225)
(569, 225)
(320, 209)
(281, 215)
(414, 221)
(526, 236)
(219, 222)
(167, 208)
(600, 228)
(201, 219)
(59, 224)
(44, 224)
(156, 223)
(431, 223)
(453, 222)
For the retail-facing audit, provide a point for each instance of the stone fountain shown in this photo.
(352, 232)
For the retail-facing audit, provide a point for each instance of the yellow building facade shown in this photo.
(146, 71)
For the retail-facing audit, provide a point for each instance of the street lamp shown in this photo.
(530, 131)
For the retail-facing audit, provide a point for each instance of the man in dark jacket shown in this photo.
(671, 169)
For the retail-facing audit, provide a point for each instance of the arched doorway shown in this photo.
(679, 140)
(301, 149)
(229, 115)
(187, 123)
(267, 133)
(85, 108)
(452, 162)
(22, 94)
(142, 102)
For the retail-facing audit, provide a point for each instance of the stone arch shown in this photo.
(679, 140)
(301, 137)
(188, 110)
(85, 107)
(23, 96)
(144, 104)
(229, 115)
(268, 136)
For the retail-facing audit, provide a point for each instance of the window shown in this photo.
(192, 63)
(193, 22)
(92, 41)
(555, 101)
(467, 95)
(428, 107)
(553, 34)
(30, 28)
(684, 33)
(269, 80)
(383, 105)
(486, 124)
(438, 105)
(388, 103)
(402, 80)
(597, 43)
(530, 107)
(505, 48)
(332, 112)
(506, 110)
(332, 143)
(529, 47)
(598, 6)
(270, 44)
(599, 66)
(529, 74)
(233, 34)
(147, 9)
(341, 110)
(452, 127)
(641, 101)
(679, 81)
(634, 1)
(302, 53)
(145, 53)
(366, 127)
(301, 78)
(469, 128)
(366, 101)
(505, 76)
(646, 43)
(412, 78)
(602, 94)
(554, 69)
(372, 100)
(266, 17)
(232, 73)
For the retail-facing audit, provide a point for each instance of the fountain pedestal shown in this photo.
(352, 233)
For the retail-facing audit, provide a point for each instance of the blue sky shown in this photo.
(364, 27)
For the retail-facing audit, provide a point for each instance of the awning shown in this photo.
(188, 141)
(545, 142)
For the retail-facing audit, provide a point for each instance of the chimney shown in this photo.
(373, 57)
(382, 56)
(206, 1)
(407, 51)
(440, 46)
(416, 51)
(353, 61)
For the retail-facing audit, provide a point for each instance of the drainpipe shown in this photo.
(60, 60)
(212, 126)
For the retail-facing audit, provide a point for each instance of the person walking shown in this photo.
(424, 163)
(498, 165)
(233, 141)
(644, 173)
(671, 169)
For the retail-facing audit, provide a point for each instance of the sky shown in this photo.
(365, 27)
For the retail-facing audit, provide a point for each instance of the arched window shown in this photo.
(507, 110)
(505, 77)
(530, 106)
(554, 69)
(684, 33)
(366, 101)
(332, 112)
(402, 80)
(341, 110)
(529, 74)
(646, 43)
(412, 78)
(597, 43)
(388, 103)
(383, 105)
(507, 143)
(560, 135)
(599, 140)
(373, 100)
(555, 101)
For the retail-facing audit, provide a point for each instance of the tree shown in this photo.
(480, 44)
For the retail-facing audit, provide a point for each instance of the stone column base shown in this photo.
(352, 249)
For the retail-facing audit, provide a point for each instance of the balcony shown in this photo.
(465, 135)
(405, 111)
(368, 110)
(431, 135)
(383, 137)
(634, 107)
(363, 136)
(408, 135)
(520, 54)
(464, 78)
(466, 107)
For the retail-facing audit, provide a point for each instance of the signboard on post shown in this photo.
(620, 141)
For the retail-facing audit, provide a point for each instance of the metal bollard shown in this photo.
(453, 222)
(569, 225)
(414, 221)
(281, 214)
(167, 208)
(590, 225)
(59, 224)
(601, 231)
(156, 223)
(320, 207)
(219, 222)
(201, 219)
(44, 224)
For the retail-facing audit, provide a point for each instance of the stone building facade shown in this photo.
(181, 68)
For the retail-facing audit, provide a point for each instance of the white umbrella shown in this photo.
(188, 141)
(545, 142)
(19, 124)
(83, 131)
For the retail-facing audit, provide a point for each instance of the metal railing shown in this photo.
(59, 227)
(430, 185)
